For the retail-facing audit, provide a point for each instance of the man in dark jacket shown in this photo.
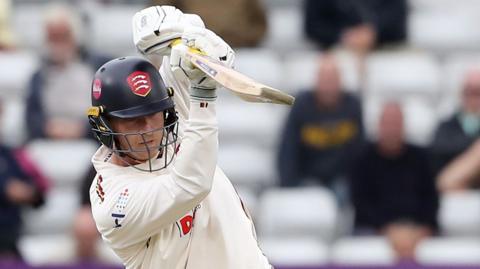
(393, 190)
(322, 134)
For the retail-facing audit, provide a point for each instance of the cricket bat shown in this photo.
(238, 83)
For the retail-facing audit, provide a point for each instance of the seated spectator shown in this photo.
(84, 230)
(20, 185)
(455, 147)
(59, 91)
(356, 25)
(322, 134)
(241, 23)
(393, 191)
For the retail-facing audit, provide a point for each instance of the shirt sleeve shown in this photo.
(143, 206)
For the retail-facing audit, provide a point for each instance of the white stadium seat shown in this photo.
(420, 121)
(300, 70)
(59, 249)
(459, 214)
(445, 30)
(295, 251)
(261, 65)
(111, 28)
(13, 131)
(16, 69)
(256, 124)
(64, 162)
(285, 29)
(47, 249)
(399, 74)
(247, 165)
(28, 25)
(298, 212)
(449, 251)
(56, 215)
(362, 251)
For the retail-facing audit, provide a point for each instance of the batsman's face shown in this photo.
(144, 135)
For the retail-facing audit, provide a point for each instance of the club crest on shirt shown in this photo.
(119, 211)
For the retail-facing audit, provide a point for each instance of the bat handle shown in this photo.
(178, 41)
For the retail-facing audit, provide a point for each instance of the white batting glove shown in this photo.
(154, 28)
(210, 44)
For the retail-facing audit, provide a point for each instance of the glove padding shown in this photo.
(154, 28)
(202, 86)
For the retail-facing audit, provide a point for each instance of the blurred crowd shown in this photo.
(384, 184)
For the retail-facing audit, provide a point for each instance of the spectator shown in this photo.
(322, 134)
(455, 146)
(393, 190)
(241, 23)
(20, 185)
(59, 91)
(357, 25)
(84, 230)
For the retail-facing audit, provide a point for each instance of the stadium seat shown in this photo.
(459, 214)
(12, 121)
(445, 30)
(64, 162)
(295, 252)
(298, 212)
(56, 215)
(59, 249)
(256, 124)
(47, 249)
(285, 29)
(16, 68)
(420, 121)
(111, 28)
(247, 165)
(27, 24)
(449, 251)
(261, 65)
(400, 74)
(300, 69)
(362, 251)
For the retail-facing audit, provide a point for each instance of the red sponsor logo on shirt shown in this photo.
(139, 83)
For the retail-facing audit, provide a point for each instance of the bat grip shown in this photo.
(178, 41)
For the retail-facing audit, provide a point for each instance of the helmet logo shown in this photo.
(139, 83)
(97, 88)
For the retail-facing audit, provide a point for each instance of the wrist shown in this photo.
(202, 93)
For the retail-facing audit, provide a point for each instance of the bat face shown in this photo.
(241, 85)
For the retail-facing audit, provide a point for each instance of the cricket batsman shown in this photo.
(159, 199)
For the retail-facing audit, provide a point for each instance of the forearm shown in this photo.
(195, 165)
(461, 172)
